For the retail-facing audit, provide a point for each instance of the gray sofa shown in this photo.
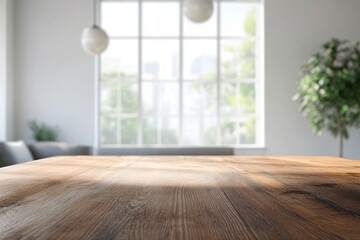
(18, 152)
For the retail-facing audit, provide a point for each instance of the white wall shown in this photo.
(6, 77)
(54, 75)
(3, 79)
(54, 78)
(294, 30)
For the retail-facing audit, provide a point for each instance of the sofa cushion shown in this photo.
(13, 153)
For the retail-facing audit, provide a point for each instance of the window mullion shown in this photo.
(118, 114)
(181, 97)
(97, 93)
(140, 118)
(237, 119)
(218, 69)
(260, 111)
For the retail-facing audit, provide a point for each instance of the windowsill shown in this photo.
(182, 147)
(260, 147)
(177, 150)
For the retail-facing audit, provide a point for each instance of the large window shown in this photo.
(166, 81)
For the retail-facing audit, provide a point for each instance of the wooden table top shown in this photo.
(181, 198)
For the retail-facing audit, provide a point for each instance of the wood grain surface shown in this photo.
(181, 198)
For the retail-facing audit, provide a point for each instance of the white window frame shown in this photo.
(259, 80)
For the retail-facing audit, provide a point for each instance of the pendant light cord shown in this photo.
(95, 12)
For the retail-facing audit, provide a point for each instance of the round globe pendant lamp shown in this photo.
(198, 11)
(94, 40)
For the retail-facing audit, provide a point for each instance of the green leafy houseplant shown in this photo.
(329, 91)
(42, 132)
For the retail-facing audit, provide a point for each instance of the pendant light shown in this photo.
(198, 11)
(94, 40)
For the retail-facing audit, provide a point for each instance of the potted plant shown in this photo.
(329, 90)
(46, 144)
(42, 132)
